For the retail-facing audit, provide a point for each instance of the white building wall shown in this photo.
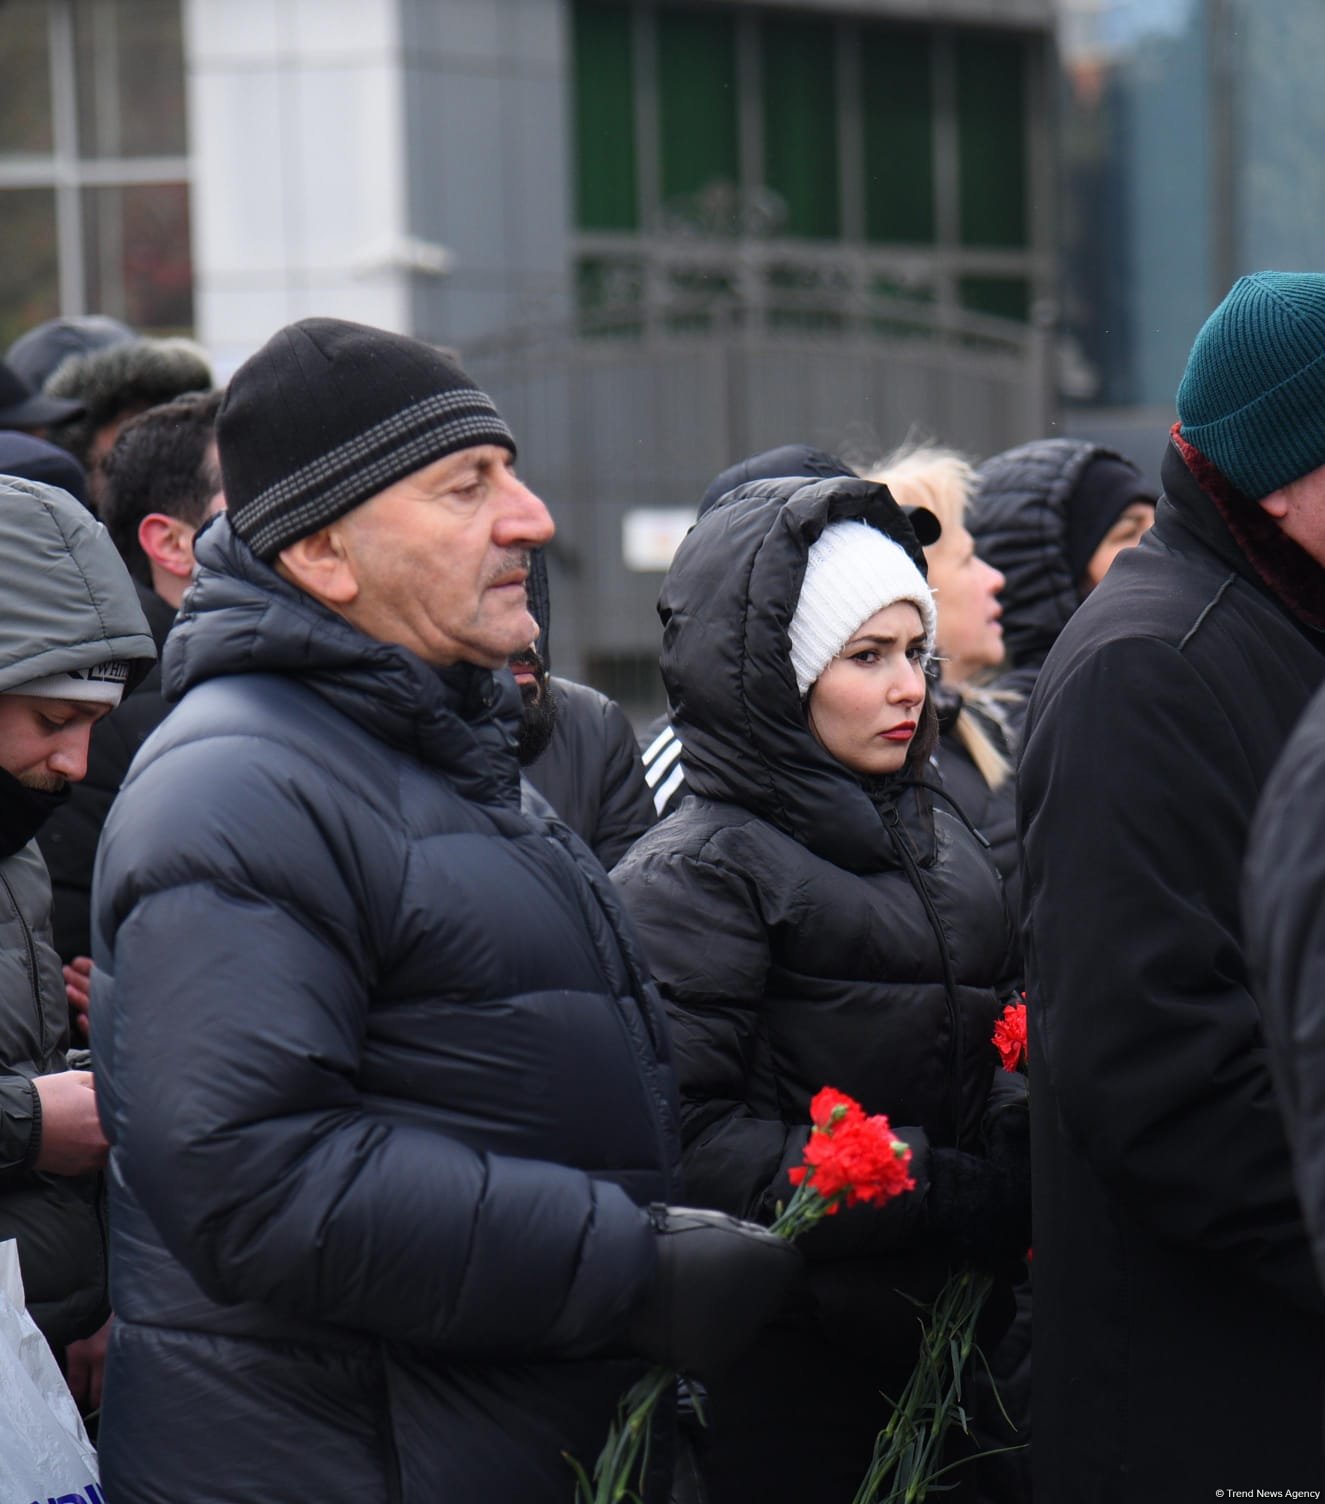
(297, 132)
(490, 161)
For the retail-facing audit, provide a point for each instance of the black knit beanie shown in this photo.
(1106, 487)
(329, 413)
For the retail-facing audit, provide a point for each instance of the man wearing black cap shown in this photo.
(30, 411)
(386, 1088)
(1180, 1323)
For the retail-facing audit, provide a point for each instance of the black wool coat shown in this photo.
(384, 1082)
(1283, 905)
(1180, 1327)
(806, 930)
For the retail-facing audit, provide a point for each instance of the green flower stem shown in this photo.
(908, 1451)
(625, 1454)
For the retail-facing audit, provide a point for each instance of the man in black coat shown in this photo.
(577, 748)
(387, 1091)
(1180, 1332)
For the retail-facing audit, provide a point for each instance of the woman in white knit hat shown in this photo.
(814, 917)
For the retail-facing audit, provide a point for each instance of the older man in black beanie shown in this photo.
(386, 1087)
(1180, 1323)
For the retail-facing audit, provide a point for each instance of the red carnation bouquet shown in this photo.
(851, 1157)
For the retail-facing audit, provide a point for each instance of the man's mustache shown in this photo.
(508, 563)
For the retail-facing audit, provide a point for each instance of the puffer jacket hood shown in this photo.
(726, 607)
(772, 464)
(69, 600)
(1019, 522)
(239, 616)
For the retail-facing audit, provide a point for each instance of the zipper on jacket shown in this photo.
(934, 788)
(33, 973)
(892, 821)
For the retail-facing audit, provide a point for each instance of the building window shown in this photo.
(897, 122)
(698, 125)
(800, 93)
(851, 160)
(93, 164)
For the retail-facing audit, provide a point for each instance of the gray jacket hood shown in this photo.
(69, 602)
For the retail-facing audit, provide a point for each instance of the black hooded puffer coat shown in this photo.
(1019, 524)
(383, 1081)
(805, 931)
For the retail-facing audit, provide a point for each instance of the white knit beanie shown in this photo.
(852, 572)
(98, 684)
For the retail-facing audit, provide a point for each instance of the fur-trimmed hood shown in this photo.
(124, 378)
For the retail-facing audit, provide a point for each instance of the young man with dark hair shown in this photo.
(159, 484)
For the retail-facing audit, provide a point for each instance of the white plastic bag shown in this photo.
(45, 1454)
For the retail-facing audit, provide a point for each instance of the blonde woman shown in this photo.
(975, 750)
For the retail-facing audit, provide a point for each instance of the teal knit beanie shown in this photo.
(1252, 398)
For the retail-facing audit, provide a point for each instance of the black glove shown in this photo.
(719, 1280)
(979, 1209)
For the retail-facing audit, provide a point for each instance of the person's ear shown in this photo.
(168, 543)
(1276, 504)
(321, 566)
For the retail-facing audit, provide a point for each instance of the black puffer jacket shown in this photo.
(591, 772)
(1018, 521)
(992, 811)
(383, 1081)
(1180, 1324)
(806, 931)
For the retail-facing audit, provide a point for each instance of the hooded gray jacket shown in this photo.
(68, 603)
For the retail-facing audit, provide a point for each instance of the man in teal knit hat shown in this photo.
(1180, 1325)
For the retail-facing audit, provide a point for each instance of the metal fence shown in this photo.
(641, 405)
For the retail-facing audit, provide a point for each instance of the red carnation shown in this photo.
(849, 1158)
(829, 1106)
(1010, 1036)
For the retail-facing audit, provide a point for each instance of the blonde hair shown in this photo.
(927, 475)
(941, 479)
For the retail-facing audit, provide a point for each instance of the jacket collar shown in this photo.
(1242, 534)
(240, 616)
(23, 811)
